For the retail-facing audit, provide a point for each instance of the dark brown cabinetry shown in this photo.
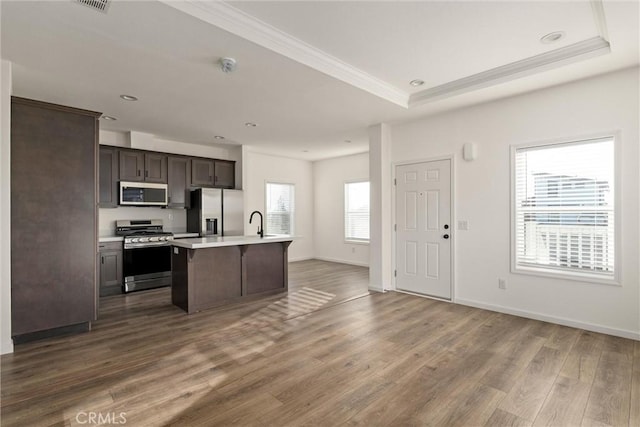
(213, 173)
(108, 182)
(224, 174)
(155, 167)
(202, 172)
(179, 180)
(110, 258)
(141, 166)
(179, 172)
(207, 277)
(53, 219)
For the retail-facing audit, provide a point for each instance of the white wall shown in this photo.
(482, 196)
(329, 177)
(6, 345)
(261, 168)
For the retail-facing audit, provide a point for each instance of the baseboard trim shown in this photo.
(50, 333)
(304, 258)
(342, 261)
(552, 319)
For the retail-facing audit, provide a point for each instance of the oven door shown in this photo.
(147, 267)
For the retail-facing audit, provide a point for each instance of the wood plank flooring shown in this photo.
(328, 353)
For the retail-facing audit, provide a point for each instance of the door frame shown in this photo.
(394, 240)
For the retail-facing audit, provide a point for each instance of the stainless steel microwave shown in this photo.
(143, 194)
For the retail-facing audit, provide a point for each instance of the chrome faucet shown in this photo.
(261, 228)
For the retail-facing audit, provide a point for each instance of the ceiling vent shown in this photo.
(100, 5)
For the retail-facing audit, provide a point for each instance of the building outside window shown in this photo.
(356, 211)
(280, 208)
(564, 209)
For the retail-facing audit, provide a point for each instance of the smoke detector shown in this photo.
(228, 65)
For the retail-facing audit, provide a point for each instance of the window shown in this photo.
(564, 216)
(356, 211)
(280, 208)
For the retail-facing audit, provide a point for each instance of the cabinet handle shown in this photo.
(215, 178)
(138, 172)
(102, 259)
(146, 173)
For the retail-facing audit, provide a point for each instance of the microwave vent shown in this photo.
(100, 5)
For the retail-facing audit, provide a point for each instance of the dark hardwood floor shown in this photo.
(327, 353)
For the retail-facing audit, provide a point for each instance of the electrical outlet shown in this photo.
(353, 250)
(502, 284)
(463, 225)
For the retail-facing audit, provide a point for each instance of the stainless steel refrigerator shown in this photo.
(216, 212)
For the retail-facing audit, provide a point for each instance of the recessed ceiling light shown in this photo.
(416, 82)
(109, 118)
(250, 125)
(219, 137)
(552, 37)
(305, 151)
(129, 97)
(348, 141)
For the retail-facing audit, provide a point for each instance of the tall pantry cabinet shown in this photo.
(53, 219)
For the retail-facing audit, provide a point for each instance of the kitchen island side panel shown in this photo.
(205, 278)
(265, 267)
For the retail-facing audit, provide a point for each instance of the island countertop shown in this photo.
(216, 242)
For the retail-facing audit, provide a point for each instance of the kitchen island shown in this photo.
(211, 271)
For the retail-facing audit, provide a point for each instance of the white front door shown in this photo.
(424, 229)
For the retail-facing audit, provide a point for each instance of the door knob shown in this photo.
(446, 236)
(446, 226)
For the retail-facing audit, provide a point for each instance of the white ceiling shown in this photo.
(310, 74)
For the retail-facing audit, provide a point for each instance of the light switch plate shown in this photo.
(463, 225)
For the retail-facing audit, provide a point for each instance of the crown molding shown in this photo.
(566, 55)
(243, 25)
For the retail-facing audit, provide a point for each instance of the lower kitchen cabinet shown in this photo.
(110, 255)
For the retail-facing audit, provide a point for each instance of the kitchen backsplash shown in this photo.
(174, 220)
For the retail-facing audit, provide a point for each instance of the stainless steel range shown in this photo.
(147, 254)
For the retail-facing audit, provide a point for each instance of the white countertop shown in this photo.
(105, 239)
(215, 242)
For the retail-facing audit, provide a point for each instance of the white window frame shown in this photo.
(292, 213)
(564, 274)
(344, 213)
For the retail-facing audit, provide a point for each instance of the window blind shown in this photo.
(280, 207)
(564, 207)
(356, 215)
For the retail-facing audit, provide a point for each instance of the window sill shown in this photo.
(566, 275)
(357, 242)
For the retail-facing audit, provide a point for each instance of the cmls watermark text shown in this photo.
(101, 418)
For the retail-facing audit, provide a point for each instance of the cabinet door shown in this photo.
(108, 196)
(110, 273)
(131, 165)
(202, 172)
(225, 174)
(155, 168)
(53, 216)
(179, 177)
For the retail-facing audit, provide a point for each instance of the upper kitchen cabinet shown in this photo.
(53, 219)
(202, 172)
(225, 174)
(179, 177)
(155, 167)
(213, 173)
(141, 166)
(108, 183)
